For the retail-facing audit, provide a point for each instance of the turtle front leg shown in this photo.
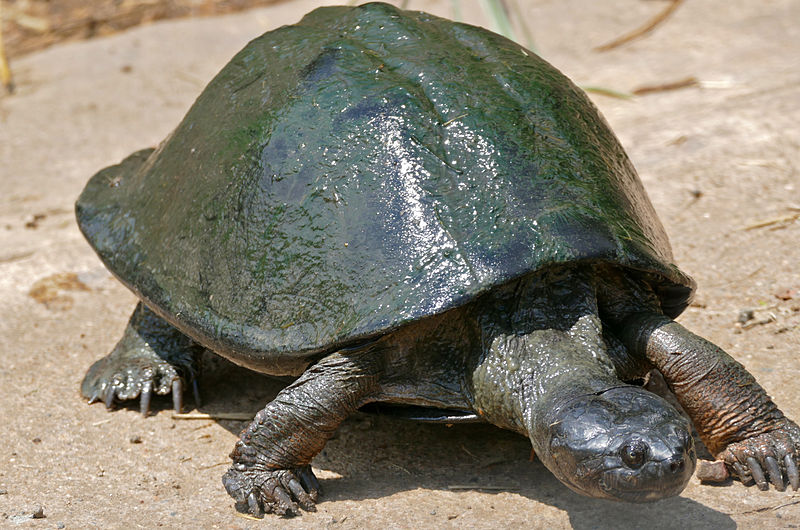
(734, 416)
(151, 357)
(271, 469)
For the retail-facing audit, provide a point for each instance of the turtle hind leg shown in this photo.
(271, 471)
(152, 357)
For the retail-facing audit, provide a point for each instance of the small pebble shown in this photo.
(745, 315)
(38, 512)
(135, 439)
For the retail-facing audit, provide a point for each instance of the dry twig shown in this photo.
(786, 219)
(241, 416)
(37, 25)
(210, 466)
(772, 508)
(5, 70)
(664, 87)
(647, 28)
(610, 92)
(462, 487)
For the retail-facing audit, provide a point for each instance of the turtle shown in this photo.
(390, 207)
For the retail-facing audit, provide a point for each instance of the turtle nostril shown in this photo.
(634, 454)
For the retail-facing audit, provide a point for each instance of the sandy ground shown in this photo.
(715, 158)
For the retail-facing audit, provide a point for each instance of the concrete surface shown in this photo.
(715, 159)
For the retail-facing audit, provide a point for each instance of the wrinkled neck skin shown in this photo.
(546, 371)
(547, 351)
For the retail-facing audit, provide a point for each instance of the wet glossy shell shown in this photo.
(363, 169)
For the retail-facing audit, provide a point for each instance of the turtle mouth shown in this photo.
(652, 482)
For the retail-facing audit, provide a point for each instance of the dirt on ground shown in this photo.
(30, 25)
(718, 155)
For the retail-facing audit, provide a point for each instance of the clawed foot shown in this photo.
(278, 491)
(109, 380)
(772, 457)
(151, 357)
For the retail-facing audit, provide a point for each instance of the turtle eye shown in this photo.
(634, 453)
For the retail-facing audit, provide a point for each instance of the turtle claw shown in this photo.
(280, 491)
(152, 357)
(144, 397)
(758, 473)
(283, 504)
(254, 506)
(312, 485)
(791, 472)
(177, 395)
(109, 398)
(775, 475)
(196, 392)
(111, 380)
(768, 458)
(742, 474)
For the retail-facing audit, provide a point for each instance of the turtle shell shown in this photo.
(363, 169)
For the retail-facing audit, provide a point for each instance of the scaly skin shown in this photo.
(558, 385)
(734, 416)
(538, 359)
(272, 459)
(151, 357)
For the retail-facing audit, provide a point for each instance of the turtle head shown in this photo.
(623, 444)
